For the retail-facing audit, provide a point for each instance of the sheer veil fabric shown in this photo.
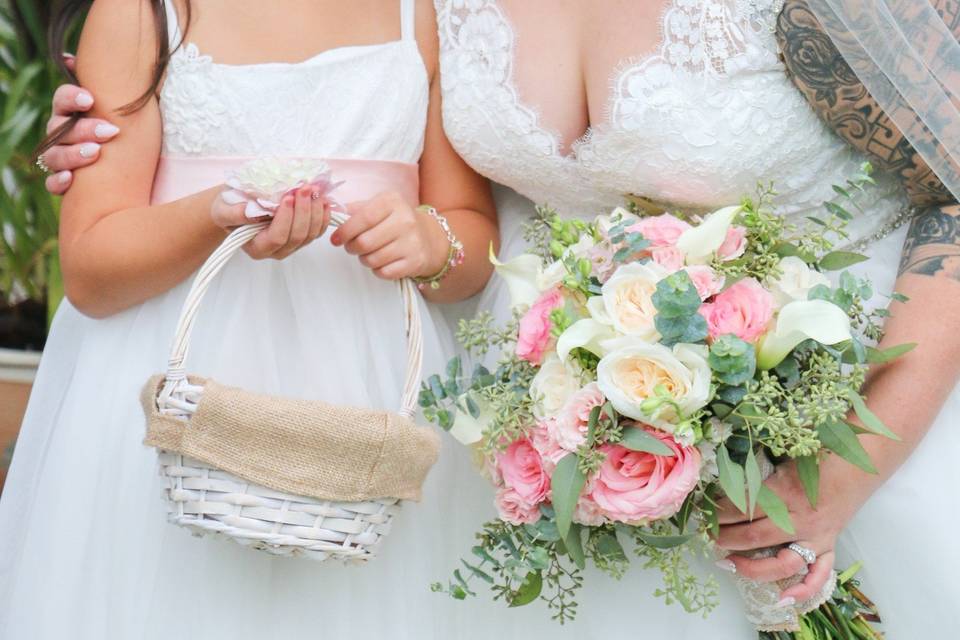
(909, 60)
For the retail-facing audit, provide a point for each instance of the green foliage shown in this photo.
(732, 360)
(677, 303)
(29, 264)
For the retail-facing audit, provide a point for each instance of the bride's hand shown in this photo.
(816, 529)
(393, 239)
(299, 220)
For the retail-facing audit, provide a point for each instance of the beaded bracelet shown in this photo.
(455, 255)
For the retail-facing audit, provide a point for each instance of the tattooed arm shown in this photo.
(907, 393)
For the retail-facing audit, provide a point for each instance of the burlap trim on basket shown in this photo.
(304, 447)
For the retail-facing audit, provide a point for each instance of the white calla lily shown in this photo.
(467, 429)
(800, 320)
(699, 243)
(587, 334)
(522, 275)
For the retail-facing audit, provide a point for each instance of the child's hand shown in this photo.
(392, 238)
(298, 221)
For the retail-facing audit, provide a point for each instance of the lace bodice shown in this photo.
(698, 124)
(365, 102)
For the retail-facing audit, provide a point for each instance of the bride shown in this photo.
(689, 103)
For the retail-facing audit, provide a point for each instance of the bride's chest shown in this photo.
(698, 123)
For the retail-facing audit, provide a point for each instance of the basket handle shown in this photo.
(219, 258)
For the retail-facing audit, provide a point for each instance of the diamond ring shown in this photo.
(42, 164)
(809, 555)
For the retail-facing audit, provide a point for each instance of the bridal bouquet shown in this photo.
(652, 366)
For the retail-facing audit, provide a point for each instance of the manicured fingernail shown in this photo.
(726, 565)
(84, 99)
(63, 177)
(789, 601)
(89, 149)
(105, 130)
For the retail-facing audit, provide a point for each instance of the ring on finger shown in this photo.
(42, 164)
(809, 555)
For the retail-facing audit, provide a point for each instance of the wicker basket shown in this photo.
(207, 500)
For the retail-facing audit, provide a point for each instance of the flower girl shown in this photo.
(85, 551)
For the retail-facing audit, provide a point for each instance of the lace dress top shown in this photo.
(697, 125)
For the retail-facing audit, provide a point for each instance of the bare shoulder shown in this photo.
(427, 35)
(833, 90)
(118, 50)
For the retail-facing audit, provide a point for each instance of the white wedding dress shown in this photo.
(85, 549)
(697, 125)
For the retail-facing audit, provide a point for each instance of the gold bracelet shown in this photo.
(455, 256)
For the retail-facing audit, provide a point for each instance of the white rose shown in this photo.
(796, 281)
(628, 299)
(632, 370)
(552, 386)
(619, 215)
(263, 182)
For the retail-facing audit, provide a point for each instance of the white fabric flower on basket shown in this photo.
(263, 182)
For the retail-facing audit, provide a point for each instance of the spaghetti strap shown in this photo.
(408, 29)
(173, 25)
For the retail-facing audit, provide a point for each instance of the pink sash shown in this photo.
(362, 179)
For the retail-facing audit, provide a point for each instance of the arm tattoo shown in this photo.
(933, 243)
(831, 87)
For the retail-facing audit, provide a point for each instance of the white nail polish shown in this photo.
(789, 601)
(63, 177)
(727, 565)
(84, 100)
(89, 149)
(105, 130)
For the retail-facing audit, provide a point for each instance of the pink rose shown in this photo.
(734, 244)
(636, 487)
(588, 512)
(670, 258)
(522, 469)
(570, 427)
(661, 231)
(535, 327)
(542, 439)
(745, 310)
(601, 255)
(706, 280)
(512, 508)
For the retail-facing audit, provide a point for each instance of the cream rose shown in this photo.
(552, 386)
(628, 299)
(796, 281)
(632, 371)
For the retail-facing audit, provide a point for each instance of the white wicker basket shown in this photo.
(206, 500)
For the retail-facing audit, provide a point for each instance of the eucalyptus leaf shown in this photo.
(566, 485)
(840, 438)
(808, 468)
(868, 418)
(637, 439)
(837, 260)
(663, 541)
(529, 590)
(754, 480)
(574, 544)
(732, 479)
(775, 509)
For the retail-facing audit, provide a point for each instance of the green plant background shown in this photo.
(29, 266)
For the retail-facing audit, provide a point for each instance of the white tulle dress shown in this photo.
(85, 549)
(698, 124)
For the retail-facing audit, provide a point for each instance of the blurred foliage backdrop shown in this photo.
(29, 269)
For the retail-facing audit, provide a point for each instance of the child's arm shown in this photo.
(396, 241)
(115, 249)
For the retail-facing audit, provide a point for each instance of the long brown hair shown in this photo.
(64, 17)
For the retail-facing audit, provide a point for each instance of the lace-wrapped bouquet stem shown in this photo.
(653, 366)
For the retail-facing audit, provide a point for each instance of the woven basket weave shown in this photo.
(208, 500)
